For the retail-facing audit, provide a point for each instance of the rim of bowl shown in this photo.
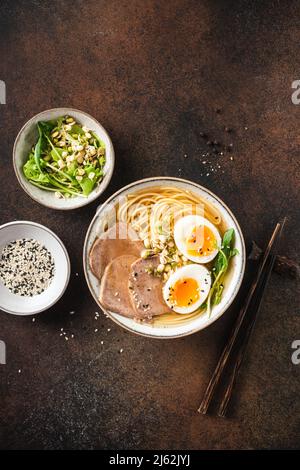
(28, 222)
(84, 201)
(241, 275)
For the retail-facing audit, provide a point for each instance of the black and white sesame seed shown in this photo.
(26, 267)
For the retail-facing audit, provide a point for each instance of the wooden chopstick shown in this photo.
(242, 350)
(250, 327)
(222, 363)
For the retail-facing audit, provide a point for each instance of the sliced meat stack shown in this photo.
(126, 286)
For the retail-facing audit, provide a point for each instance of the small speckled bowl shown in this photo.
(28, 136)
(18, 305)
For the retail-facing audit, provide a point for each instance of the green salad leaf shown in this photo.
(32, 171)
(77, 130)
(226, 252)
(38, 147)
(67, 158)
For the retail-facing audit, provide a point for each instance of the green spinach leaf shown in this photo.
(219, 269)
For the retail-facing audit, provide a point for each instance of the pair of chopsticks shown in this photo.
(235, 348)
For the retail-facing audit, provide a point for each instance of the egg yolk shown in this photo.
(201, 241)
(184, 292)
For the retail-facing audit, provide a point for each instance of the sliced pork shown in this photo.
(146, 289)
(114, 294)
(118, 240)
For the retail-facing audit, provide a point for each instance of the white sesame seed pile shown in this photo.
(26, 267)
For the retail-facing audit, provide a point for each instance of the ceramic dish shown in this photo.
(27, 137)
(230, 290)
(18, 305)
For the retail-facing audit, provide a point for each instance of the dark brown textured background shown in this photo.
(153, 72)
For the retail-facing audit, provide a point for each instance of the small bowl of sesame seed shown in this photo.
(34, 268)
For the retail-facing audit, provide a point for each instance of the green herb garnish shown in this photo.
(226, 252)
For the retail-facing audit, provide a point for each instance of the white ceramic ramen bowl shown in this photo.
(231, 288)
(28, 136)
(18, 305)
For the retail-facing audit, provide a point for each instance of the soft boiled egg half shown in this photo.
(187, 288)
(197, 238)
